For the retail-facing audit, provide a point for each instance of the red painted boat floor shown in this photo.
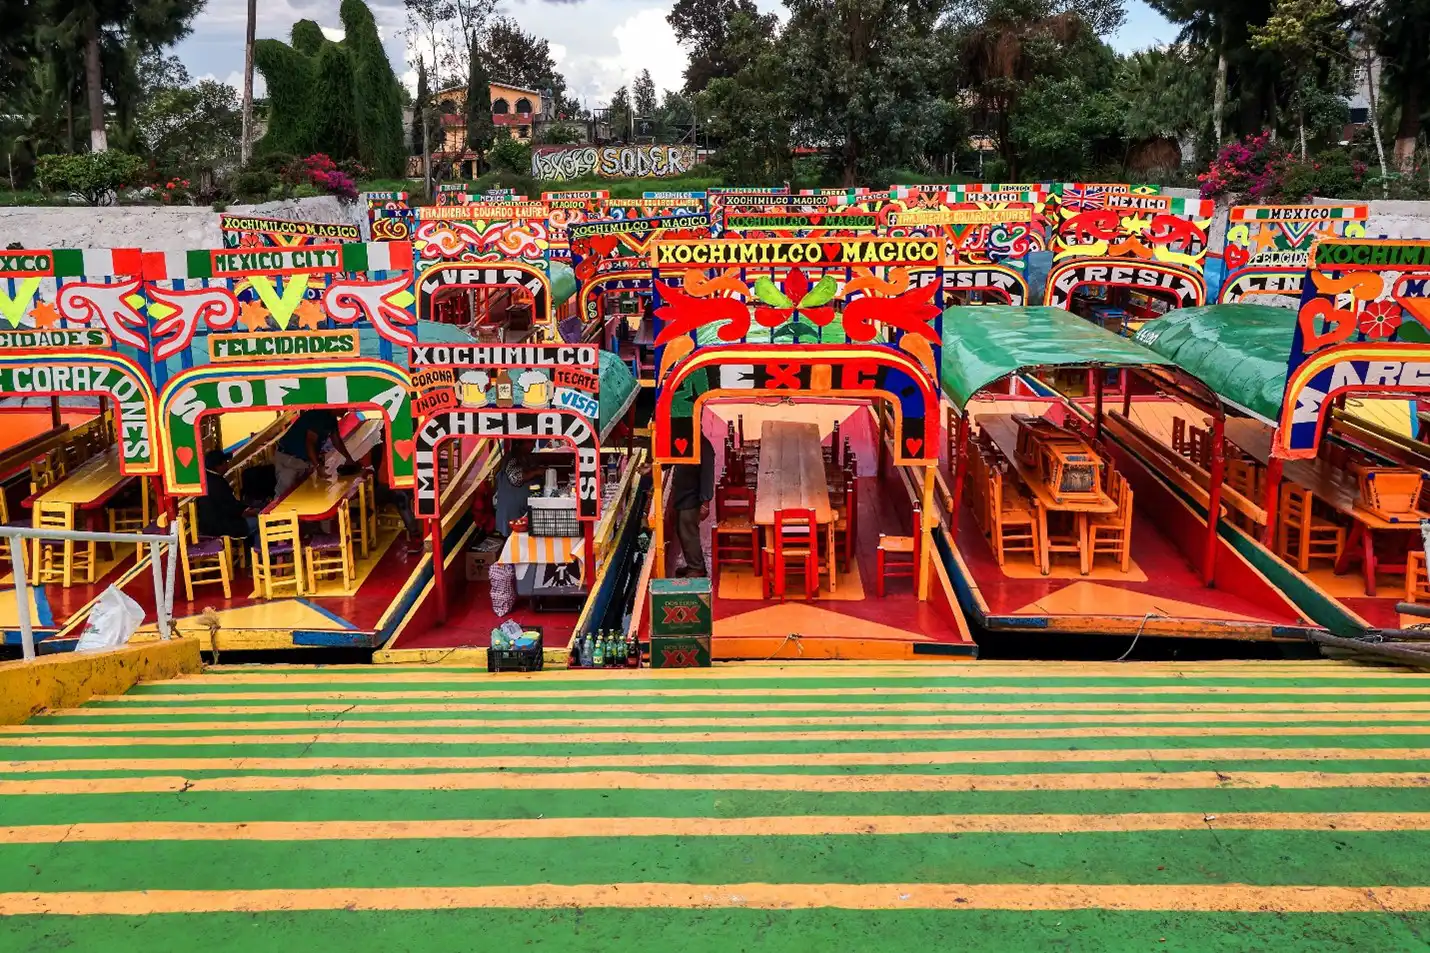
(61, 604)
(470, 621)
(361, 611)
(898, 615)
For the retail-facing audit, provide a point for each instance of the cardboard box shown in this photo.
(481, 557)
(681, 651)
(680, 607)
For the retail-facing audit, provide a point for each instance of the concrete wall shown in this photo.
(154, 228)
(71, 679)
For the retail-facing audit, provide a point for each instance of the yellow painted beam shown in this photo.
(64, 681)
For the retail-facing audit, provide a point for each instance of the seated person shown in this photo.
(301, 448)
(401, 500)
(219, 512)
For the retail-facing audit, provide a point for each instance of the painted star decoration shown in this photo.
(253, 316)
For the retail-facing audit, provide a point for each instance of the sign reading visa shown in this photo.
(282, 345)
(863, 251)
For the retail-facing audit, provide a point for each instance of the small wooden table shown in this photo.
(88, 486)
(791, 477)
(1002, 429)
(1337, 488)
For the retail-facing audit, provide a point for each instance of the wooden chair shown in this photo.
(1241, 476)
(1112, 532)
(1199, 447)
(130, 512)
(1179, 436)
(735, 538)
(1012, 520)
(792, 539)
(75, 560)
(363, 514)
(1417, 583)
(1392, 493)
(5, 551)
(1302, 535)
(205, 559)
(846, 519)
(42, 474)
(889, 558)
(329, 554)
(278, 562)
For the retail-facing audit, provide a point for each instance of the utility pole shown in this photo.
(427, 144)
(245, 143)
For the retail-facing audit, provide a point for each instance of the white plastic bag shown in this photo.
(114, 618)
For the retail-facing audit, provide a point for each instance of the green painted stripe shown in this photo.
(1264, 858)
(583, 930)
(231, 806)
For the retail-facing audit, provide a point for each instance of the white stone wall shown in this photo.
(154, 228)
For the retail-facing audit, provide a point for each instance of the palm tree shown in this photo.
(245, 140)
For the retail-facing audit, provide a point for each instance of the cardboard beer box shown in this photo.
(680, 607)
(680, 651)
(481, 557)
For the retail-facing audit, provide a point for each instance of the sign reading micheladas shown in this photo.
(26, 340)
(862, 251)
(283, 345)
(635, 226)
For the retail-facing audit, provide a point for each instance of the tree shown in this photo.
(703, 27)
(618, 114)
(192, 131)
(1164, 93)
(861, 76)
(745, 115)
(1306, 34)
(445, 29)
(643, 94)
(1401, 29)
(377, 93)
(336, 129)
(524, 59)
(418, 138)
(88, 25)
(480, 128)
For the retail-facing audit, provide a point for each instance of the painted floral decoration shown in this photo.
(1380, 319)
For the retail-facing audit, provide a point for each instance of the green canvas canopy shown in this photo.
(618, 391)
(563, 283)
(984, 343)
(1238, 350)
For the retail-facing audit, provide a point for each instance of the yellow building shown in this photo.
(514, 108)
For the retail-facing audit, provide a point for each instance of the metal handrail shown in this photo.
(163, 581)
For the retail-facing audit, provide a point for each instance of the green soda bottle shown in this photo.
(599, 658)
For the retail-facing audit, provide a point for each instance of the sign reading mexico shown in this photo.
(546, 392)
(734, 251)
(1363, 327)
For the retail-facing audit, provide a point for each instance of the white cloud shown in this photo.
(333, 33)
(644, 40)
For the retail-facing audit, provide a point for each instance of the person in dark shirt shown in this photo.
(219, 512)
(401, 500)
(692, 487)
(301, 448)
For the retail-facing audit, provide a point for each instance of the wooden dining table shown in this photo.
(1002, 429)
(88, 486)
(791, 477)
(1337, 487)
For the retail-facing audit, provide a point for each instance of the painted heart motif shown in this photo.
(403, 449)
(832, 251)
(1236, 256)
(185, 456)
(913, 446)
(681, 445)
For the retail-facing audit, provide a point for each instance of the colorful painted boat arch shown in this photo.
(525, 277)
(1268, 245)
(281, 385)
(35, 369)
(1001, 282)
(1363, 327)
(1187, 287)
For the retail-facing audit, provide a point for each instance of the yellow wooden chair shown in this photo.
(1013, 520)
(278, 563)
(329, 554)
(75, 560)
(5, 551)
(132, 515)
(42, 474)
(364, 517)
(1111, 533)
(206, 559)
(1302, 535)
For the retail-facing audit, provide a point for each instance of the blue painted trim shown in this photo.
(329, 639)
(604, 595)
(13, 636)
(42, 607)
(328, 615)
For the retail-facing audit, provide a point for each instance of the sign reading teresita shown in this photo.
(726, 251)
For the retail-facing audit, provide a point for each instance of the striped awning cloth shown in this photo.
(523, 548)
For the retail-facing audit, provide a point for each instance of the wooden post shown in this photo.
(1218, 472)
(1097, 404)
(1127, 394)
(959, 463)
(925, 543)
(55, 412)
(949, 439)
(657, 521)
(588, 535)
(1273, 497)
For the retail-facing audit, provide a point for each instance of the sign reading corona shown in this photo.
(843, 252)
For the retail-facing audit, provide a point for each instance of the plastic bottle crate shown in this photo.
(553, 516)
(518, 660)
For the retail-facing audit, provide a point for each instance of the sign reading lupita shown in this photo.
(731, 251)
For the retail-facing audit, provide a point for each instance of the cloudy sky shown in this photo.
(598, 44)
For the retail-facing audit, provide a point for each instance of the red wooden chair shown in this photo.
(890, 560)
(736, 538)
(794, 539)
(846, 522)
